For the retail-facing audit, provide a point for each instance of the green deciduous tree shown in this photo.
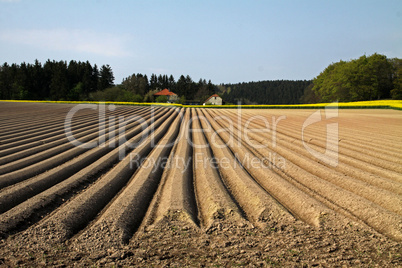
(136, 83)
(396, 92)
(161, 99)
(365, 78)
(116, 93)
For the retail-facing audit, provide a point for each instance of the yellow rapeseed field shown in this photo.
(376, 104)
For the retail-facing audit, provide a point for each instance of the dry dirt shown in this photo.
(176, 187)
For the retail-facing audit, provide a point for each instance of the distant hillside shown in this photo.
(265, 92)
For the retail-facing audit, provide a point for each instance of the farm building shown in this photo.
(172, 97)
(213, 100)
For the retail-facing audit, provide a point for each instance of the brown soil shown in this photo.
(163, 190)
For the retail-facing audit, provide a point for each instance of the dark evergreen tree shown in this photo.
(95, 79)
(160, 82)
(153, 82)
(86, 80)
(5, 81)
(171, 83)
(181, 86)
(59, 85)
(146, 81)
(106, 77)
(39, 83)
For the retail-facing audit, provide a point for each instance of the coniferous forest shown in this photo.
(367, 78)
(265, 92)
(54, 80)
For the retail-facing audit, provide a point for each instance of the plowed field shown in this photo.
(160, 186)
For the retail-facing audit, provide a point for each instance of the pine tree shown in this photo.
(153, 82)
(106, 77)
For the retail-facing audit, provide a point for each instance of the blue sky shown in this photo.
(225, 41)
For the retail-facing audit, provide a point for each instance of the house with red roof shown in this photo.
(213, 100)
(172, 97)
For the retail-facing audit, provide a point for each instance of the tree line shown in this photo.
(366, 78)
(59, 80)
(265, 92)
(54, 80)
(139, 87)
